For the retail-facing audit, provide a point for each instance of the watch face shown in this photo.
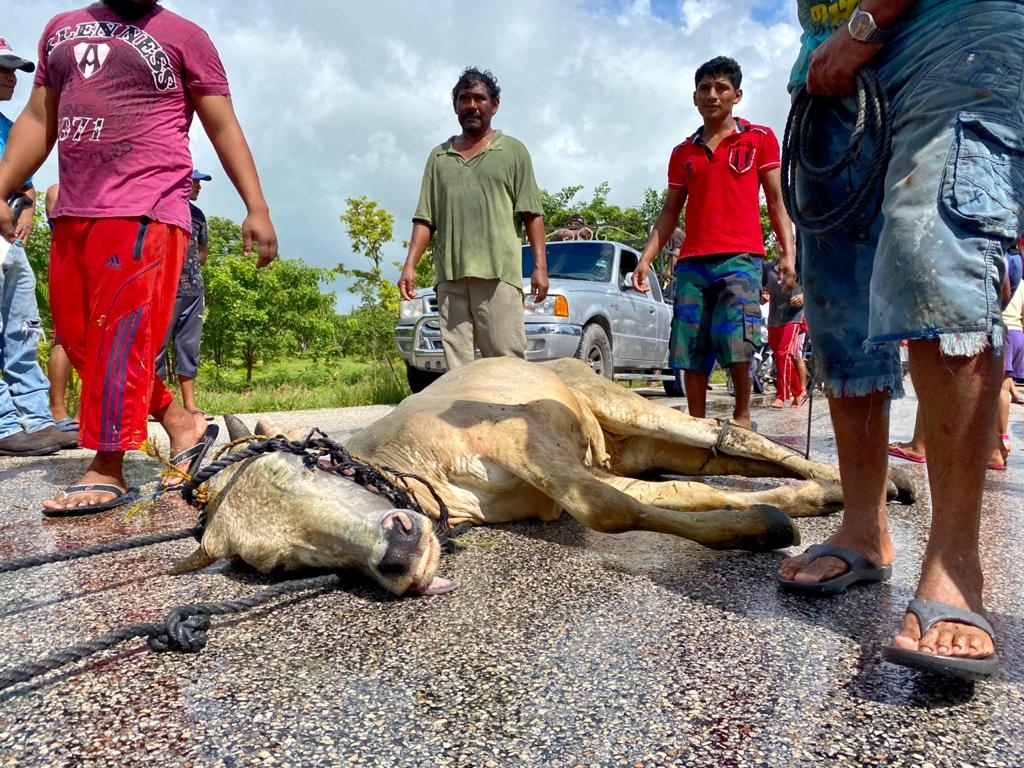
(861, 25)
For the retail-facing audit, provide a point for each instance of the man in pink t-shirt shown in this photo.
(117, 85)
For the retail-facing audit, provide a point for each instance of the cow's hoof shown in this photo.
(901, 487)
(763, 528)
(780, 529)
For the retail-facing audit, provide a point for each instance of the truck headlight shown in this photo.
(413, 309)
(552, 306)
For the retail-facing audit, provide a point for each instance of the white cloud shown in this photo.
(342, 99)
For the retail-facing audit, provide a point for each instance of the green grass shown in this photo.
(299, 384)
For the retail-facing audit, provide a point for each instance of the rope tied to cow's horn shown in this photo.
(314, 449)
(871, 131)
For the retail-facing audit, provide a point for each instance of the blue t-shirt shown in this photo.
(5, 131)
(820, 19)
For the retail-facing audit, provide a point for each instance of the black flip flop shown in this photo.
(120, 498)
(930, 612)
(194, 455)
(861, 570)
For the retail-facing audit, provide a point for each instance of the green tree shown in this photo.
(262, 314)
(370, 228)
(629, 224)
(38, 251)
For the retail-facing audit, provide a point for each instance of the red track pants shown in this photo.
(112, 288)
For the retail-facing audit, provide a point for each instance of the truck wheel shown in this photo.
(596, 351)
(419, 379)
(674, 388)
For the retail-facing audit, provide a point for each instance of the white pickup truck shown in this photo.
(592, 312)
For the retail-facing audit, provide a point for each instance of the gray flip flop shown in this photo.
(861, 570)
(930, 612)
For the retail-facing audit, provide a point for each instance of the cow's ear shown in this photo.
(268, 428)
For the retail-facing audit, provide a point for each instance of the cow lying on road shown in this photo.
(503, 440)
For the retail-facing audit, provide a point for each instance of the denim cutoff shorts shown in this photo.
(930, 265)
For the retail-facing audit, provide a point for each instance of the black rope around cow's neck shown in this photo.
(804, 129)
(316, 447)
(185, 629)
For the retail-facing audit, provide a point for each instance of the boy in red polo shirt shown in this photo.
(717, 173)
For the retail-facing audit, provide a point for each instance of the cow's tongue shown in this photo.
(439, 586)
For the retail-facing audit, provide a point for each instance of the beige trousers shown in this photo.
(480, 313)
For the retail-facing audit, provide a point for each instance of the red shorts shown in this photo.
(112, 289)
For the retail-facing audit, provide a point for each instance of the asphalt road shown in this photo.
(562, 647)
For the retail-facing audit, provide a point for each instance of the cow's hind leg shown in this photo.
(654, 429)
(534, 449)
(807, 499)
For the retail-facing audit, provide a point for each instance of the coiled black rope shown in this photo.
(185, 629)
(804, 129)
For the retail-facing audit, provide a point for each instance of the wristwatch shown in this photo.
(862, 28)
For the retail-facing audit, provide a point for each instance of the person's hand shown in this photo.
(797, 301)
(787, 271)
(539, 285)
(640, 277)
(407, 283)
(258, 230)
(23, 226)
(835, 63)
(6, 225)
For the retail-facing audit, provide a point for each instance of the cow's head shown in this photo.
(273, 511)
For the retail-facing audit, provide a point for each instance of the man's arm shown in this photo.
(666, 224)
(782, 225)
(418, 242)
(30, 141)
(221, 124)
(535, 234)
(835, 62)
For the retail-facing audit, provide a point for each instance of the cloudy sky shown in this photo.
(342, 98)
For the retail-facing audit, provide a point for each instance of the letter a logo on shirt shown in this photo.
(89, 57)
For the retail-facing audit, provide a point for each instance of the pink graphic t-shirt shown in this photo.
(124, 92)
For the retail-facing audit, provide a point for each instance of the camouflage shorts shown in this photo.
(717, 312)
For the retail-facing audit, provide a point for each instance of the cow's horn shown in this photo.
(236, 428)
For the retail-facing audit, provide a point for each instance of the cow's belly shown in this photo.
(483, 492)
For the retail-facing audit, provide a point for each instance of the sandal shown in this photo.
(194, 456)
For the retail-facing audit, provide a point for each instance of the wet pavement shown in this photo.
(562, 647)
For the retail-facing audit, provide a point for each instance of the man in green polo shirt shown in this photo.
(477, 187)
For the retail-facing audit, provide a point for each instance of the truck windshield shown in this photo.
(588, 260)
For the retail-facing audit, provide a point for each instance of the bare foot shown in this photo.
(959, 586)
(796, 570)
(106, 468)
(777, 403)
(997, 460)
